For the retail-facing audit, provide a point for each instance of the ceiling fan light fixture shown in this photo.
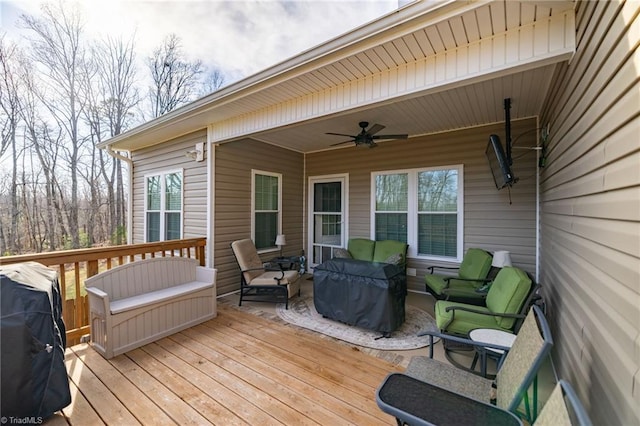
(366, 137)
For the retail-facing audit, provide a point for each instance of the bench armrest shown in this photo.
(98, 301)
(97, 293)
(206, 275)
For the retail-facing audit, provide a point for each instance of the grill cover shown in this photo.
(33, 374)
(358, 292)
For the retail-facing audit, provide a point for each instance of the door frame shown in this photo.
(344, 179)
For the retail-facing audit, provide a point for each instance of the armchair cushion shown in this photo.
(507, 294)
(248, 259)
(475, 264)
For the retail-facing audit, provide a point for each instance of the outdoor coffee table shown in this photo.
(415, 402)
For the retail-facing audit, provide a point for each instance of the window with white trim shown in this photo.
(422, 207)
(266, 208)
(163, 206)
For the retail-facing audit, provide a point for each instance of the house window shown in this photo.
(392, 206)
(266, 208)
(163, 207)
(422, 207)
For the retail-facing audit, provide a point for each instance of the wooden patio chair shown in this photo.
(507, 391)
(260, 284)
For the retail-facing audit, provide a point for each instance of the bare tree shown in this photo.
(212, 81)
(10, 88)
(175, 80)
(57, 48)
(45, 143)
(115, 59)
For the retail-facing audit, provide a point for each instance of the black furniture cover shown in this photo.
(33, 374)
(366, 294)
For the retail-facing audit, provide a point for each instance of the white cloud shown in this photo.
(238, 37)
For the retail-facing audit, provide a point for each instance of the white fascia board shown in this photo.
(547, 42)
(392, 25)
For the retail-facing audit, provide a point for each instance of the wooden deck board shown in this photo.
(235, 369)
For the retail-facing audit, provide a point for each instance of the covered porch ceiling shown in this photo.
(455, 108)
(428, 67)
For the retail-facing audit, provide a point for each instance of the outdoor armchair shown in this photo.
(507, 391)
(506, 305)
(260, 284)
(463, 287)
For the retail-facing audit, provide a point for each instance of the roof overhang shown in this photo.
(424, 68)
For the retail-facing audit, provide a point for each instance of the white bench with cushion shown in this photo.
(143, 301)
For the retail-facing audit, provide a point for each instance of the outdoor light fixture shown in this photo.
(196, 154)
(281, 241)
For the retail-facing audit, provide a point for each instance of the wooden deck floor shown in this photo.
(235, 369)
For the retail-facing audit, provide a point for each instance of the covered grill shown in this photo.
(33, 374)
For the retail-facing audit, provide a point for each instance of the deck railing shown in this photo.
(74, 266)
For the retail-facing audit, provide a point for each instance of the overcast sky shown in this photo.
(239, 38)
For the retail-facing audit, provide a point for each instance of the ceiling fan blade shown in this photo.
(342, 143)
(390, 137)
(375, 129)
(340, 134)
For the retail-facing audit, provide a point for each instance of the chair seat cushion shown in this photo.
(463, 322)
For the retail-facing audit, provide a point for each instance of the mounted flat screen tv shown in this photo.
(499, 163)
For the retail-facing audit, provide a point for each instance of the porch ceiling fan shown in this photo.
(367, 137)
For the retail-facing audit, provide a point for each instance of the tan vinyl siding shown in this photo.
(233, 164)
(171, 156)
(590, 213)
(490, 221)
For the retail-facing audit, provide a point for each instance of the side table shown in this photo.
(287, 263)
(493, 337)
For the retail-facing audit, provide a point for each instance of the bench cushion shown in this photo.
(157, 296)
(361, 248)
